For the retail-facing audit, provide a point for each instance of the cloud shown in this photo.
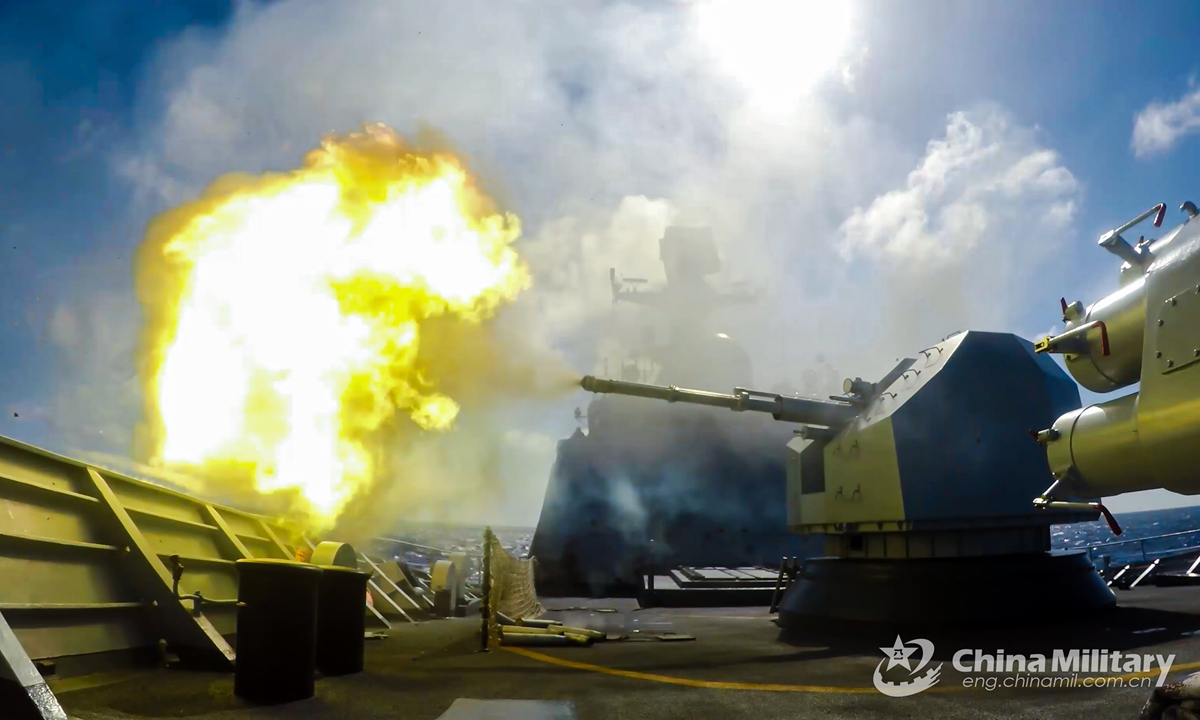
(954, 242)
(981, 168)
(1159, 126)
(97, 392)
(568, 92)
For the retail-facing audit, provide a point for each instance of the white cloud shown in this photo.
(982, 206)
(64, 327)
(1159, 126)
(93, 343)
(984, 172)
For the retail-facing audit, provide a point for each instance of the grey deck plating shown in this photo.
(737, 668)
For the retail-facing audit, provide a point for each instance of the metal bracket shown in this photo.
(1075, 341)
(231, 538)
(901, 369)
(1048, 500)
(198, 600)
(1145, 573)
(188, 634)
(788, 570)
(1117, 245)
(386, 581)
(856, 494)
(279, 546)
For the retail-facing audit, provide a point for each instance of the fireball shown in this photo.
(284, 314)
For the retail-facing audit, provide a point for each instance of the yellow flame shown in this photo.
(284, 312)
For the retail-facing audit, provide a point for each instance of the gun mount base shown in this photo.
(943, 592)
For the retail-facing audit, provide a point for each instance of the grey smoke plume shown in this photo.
(600, 123)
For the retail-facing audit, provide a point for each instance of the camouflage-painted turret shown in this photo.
(933, 460)
(933, 463)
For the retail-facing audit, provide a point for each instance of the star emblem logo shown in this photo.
(898, 654)
(901, 653)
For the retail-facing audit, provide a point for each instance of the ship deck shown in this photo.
(737, 667)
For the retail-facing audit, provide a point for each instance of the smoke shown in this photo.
(477, 472)
(572, 304)
(600, 124)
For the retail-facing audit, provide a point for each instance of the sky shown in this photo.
(883, 173)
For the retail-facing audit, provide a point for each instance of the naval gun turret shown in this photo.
(920, 485)
(1146, 332)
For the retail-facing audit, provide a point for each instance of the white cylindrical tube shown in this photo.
(1101, 443)
(1124, 316)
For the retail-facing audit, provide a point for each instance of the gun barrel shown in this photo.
(785, 409)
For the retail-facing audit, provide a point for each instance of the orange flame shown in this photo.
(284, 313)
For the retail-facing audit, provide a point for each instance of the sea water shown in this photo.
(1136, 526)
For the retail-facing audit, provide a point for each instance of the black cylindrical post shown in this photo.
(650, 578)
(784, 569)
(485, 602)
(341, 620)
(276, 630)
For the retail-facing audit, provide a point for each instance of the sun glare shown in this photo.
(778, 50)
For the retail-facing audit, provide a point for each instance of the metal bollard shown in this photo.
(341, 620)
(276, 630)
(485, 605)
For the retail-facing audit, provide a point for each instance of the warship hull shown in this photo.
(656, 487)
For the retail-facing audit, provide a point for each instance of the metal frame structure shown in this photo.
(100, 565)
(97, 562)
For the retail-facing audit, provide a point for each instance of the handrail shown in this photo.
(427, 548)
(1142, 545)
(1135, 540)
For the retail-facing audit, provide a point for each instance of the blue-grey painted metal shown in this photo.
(962, 441)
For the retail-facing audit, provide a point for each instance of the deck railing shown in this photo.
(1095, 551)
